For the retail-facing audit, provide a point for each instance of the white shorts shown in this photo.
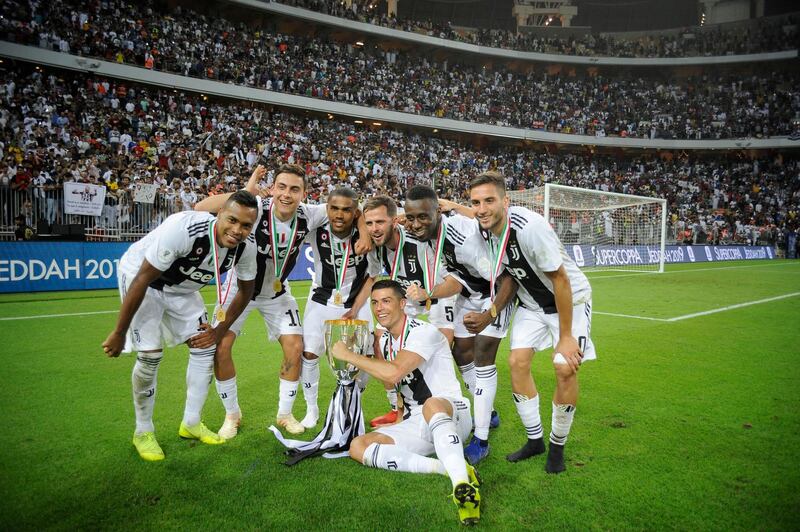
(539, 331)
(497, 329)
(162, 320)
(440, 315)
(314, 319)
(413, 434)
(281, 315)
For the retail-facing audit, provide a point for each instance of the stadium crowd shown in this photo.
(768, 36)
(57, 127)
(191, 44)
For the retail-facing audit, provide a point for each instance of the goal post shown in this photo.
(602, 230)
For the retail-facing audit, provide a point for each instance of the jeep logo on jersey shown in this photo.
(517, 273)
(267, 250)
(196, 275)
(354, 261)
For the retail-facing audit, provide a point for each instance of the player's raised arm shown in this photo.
(213, 203)
(115, 342)
(255, 178)
(216, 202)
(364, 243)
(463, 210)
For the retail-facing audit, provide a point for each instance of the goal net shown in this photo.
(602, 230)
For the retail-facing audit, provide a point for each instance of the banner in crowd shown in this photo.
(587, 256)
(145, 192)
(42, 266)
(83, 198)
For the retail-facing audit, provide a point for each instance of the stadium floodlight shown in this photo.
(602, 230)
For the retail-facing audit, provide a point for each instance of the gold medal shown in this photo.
(277, 286)
(493, 311)
(428, 305)
(220, 314)
(337, 298)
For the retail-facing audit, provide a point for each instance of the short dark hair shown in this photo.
(420, 192)
(383, 284)
(294, 169)
(345, 192)
(489, 178)
(243, 198)
(377, 202)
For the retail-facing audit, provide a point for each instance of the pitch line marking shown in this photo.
(699, 314)
(629, 316)
(731, 307)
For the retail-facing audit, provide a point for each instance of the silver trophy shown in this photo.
(355, 335)
(344, 420)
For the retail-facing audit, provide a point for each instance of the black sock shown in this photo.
(555, 459)
(531, 448)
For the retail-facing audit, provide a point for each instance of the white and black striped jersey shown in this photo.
(534, 248)
(309, 217)
(181, 248)
(409, 270)
(359, 267)
(461, 251)
(435, 377)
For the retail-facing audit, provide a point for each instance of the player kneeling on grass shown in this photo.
(437, 418)
(160, 277)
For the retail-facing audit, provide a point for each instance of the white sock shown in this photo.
(229, 394)
(391, 395)
(395, 458)
(448, 446)
(287, 393)
(468, 376)
(144, 379)
(528, 410)
(309, 374)
(198, 377)
(562, 421)
(485, 391)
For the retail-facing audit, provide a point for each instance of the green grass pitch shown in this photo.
(684, 422)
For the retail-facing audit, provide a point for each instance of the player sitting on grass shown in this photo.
(417, 359)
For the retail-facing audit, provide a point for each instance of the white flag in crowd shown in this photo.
(145, 192)
(83, 198)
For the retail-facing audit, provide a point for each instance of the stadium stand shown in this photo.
(58, 127)
(768, 35)
(756, 102)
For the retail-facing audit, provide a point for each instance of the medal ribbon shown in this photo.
(212, 235)
(337, 275)
(497, 255)
(403, 338)
(397, 254)
(280, 265)
(429, 274)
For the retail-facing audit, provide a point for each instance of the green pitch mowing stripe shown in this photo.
(690, 424)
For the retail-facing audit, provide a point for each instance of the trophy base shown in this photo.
(343, 423)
